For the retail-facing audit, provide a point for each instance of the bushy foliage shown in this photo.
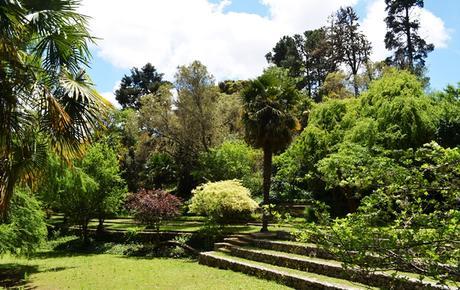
(101, 164)
(348, 144)
(411, 221)
(296, 172)
(24, 229)
(151, 207)
(448, 131)
(159, 171)
(92, 188)
(223, 201)
(76, 198)
(233, 159)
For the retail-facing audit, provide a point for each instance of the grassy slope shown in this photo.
(117, 272)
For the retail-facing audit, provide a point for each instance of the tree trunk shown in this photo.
(5, 197)
(84, 228)
(268, 152)
(6, 193)
(410, 47)
(355, 84)
(100, 226)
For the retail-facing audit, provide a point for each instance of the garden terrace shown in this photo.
(304, 266)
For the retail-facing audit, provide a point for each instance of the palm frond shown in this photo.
(75, 112)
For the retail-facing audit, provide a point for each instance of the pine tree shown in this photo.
(146, 80)
(410, 50)
(309, 57)
(350, 45)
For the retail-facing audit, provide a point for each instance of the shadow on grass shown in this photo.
(71, 248)
(62, 254)
(15, 275)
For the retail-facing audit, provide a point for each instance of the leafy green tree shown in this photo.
(410, 221)
(335, 86)
(406, 117)
(160, 171)
(197, 96)
(25, 229)
(92, 188)
(350, 43)
(402, 37)
(101, 164)
(233, 159)
(141, 82)
(296, 175)
(231, 87)
(348, 143)
(184, 127)
(286, 54)
(448, 131)
(76, 198)
(123, 132)
(230, 109)
(46, 97)
(309, 57)
(269, 102)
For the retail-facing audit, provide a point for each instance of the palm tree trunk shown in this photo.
(6, 193)
(268, 152)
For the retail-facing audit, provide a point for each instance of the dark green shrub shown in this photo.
(233, 159)
(24, 229)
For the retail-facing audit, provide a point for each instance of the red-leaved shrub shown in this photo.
(151, 207)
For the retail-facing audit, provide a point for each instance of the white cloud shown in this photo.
(176, 32)
(300, 15)
(432, 28)
(374, 27)
(110, 96)
(233, 45)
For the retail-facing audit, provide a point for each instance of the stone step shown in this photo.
(330, 268)
(222, 245)
(289, 277)
(236, 241)
(287, 247)
(306, 249)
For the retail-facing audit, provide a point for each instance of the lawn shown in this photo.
(181, 224)
(55, 270)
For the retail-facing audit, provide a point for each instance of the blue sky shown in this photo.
(232, 37)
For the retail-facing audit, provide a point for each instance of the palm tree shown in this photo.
(269, 102)
(46, 99)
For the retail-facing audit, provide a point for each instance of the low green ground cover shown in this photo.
(67, 269)
(119, 272)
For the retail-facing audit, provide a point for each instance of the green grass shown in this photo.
(181, 224)
(56, 271)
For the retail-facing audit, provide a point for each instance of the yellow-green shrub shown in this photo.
(223, 201)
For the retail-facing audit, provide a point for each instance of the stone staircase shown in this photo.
(301, 266)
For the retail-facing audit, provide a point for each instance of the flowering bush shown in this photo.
(223, 201)
(151, 207)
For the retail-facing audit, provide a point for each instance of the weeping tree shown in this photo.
(269, 103)
(46, 99)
